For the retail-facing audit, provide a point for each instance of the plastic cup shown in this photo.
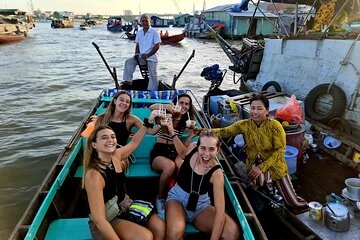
(177, 112)
(164, 123)
(159, 115)
(190, 124)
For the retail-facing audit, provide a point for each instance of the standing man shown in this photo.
(147, 44)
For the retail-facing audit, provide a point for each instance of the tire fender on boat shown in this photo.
(338, 102)
(271, 84)
(340, 124)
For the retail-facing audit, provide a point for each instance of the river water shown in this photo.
(48, 83)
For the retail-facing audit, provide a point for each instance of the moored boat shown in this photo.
(11, 29)
(11, 37)
(321, 69)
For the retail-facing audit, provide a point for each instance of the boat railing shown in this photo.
(60, 179)
(237, 208)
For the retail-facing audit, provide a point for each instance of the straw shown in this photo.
(188, 115)
(177, 100)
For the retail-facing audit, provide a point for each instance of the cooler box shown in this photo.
(214, 103)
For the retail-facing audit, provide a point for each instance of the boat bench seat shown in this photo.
(136, 170)
(140, 100)
(141, 167)
(139, 112)
(72, 228)
(78, 229)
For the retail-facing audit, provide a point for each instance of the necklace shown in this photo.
(192, 177)
(108, 164)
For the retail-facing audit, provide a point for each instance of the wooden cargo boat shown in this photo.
(11, 29)
(59, 209)
(11, 37)
(66, 22)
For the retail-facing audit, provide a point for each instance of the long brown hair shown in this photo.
(182, 122)
(91, 159)
(105, 118)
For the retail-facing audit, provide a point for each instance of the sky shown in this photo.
(113, 7)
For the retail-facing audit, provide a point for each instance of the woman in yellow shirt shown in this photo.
(265, 147)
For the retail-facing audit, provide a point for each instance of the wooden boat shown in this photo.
(273, 64)
(173, 39)
(85, 26)
(115, 24)
(164, 40)
(59, 209)
(11, 37)
(66, 22)
(12, 30)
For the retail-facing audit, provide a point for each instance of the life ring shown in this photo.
(338, 102)
(271, 84)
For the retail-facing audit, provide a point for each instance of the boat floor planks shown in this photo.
(320, 177)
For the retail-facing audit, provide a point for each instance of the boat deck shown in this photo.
(320, 176)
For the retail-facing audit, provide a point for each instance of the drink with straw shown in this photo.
(159, 114)
(176, 112)
(164, 123)
(190, 124)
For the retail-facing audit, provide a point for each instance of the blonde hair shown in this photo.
(209, 133)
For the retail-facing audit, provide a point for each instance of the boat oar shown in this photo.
(113, 74)
(176, 77)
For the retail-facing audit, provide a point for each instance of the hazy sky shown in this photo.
(113, 6)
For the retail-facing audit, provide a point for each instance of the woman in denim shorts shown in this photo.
(189, 202)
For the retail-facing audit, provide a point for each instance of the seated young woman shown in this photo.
(189, 201)
(104, 179)
(164, 153)
(119, 118)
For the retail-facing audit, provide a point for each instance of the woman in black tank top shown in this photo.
(187, 200)
(164, 152)
(103, 180)
(118, 117)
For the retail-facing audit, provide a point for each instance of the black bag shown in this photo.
(140, 211)
(192, 202)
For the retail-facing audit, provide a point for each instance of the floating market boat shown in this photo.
(164, 40)
(11, 37)
(65, 22)
(201, 28)
(11, 29)
(116, 24)
(322, 70)
(59, 209)
(85, 26)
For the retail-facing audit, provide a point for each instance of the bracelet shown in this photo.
(173, 136)
(147, 123)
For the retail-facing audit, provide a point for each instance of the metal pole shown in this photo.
(176, 77)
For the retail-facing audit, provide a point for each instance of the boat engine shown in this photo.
(249, 58)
